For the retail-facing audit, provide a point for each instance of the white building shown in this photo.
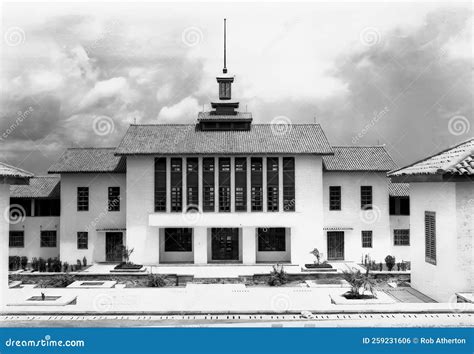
(221, 190)
(442, 224)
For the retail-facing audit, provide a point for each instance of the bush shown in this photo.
(56, 265)
(390, 262)
(35, 264)
(79, 264)
(359, 283)
(156, 281)
(65, 267)
(278, 276)
(49, 265)
(84, 261)
(14, 262)
(60, 281)
(24, 262)
(41, 265)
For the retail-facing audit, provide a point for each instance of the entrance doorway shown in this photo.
(225, 244)
(113, 246)
(335, 245)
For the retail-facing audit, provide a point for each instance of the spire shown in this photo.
(225, 40)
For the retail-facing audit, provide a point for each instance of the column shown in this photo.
(249, 249)
(232, 184)
(249, 185)
(200, 189)
(280, 183)
(168, 184)
(200, 245)
(264, 183)
(185, 183)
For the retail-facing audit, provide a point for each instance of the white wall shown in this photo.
(98, 217)
(32, 226)
(351, 215)
(452, 272)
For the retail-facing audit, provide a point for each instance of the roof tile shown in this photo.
(359, 158)
(89, 160)
(39, 187)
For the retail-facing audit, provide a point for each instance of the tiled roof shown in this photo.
(457, 160)
(260, 139)
(398, 189)
(39, 187)
(89, 160)
(359, 158)
(238, 116)
(10, 171)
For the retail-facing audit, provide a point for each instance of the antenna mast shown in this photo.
(225, 58)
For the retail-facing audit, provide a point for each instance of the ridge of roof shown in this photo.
(16, 171)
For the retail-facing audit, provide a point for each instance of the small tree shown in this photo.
(360, 283)
(390, 262)
(317, 255)
(126, 253)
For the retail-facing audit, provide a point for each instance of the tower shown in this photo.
(224, 114)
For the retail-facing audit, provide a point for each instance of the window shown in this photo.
(82, 240)
(224, 90)
(272, 184)
(82, 198)
(256, 184)
(271, 239)
(240, 184)
(176, 185)
(192, 183)
(114, 199)
(47, 207)
(399, 205)
(208, 176)
(366, 197)
(401, 237)
(224, 184)
(16, 239)
(48, 238)
(160, 184)
(179, 240)
(366, 239)
(335, 198)
(430, 237)
(20, 207)
(288, 184)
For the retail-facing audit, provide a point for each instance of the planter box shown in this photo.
(318, 266)
(92, 284)
(338, 298)
(51, 300)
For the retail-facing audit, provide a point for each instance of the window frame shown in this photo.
(401, 237)
(181, 233)
(44, 244)
(366, 194)
(160, 195)
(335, 205)
(272, 239)
(83, 200)
(113, 199)
(367, 243)
(430, 237)
(80, 242)
(289, 191)
(20, 233)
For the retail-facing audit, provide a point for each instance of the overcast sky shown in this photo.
(78, 75)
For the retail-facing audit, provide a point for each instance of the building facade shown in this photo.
(442, 210)
(222, 190)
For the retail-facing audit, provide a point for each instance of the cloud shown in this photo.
(184, 111)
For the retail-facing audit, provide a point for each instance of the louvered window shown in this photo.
(430, 237)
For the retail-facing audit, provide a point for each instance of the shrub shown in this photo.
(390, 262)
(278, 276)
(359, 283)
(35, 264)
(79, 264)
(14, 262)
(24, 262)
(380, 266)
(65, 267)
(156, 281)
(41, 265)
(56, 265)
(60, 281)
(84, 261)
(49, 265)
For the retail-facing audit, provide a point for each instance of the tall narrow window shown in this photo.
(82, 198)
(176, 185)
(114, 199)
(160, 184)
(224, 184)
(367, 239)
(208, 176)
(366, 197)
(289, 184)
(272, 184)
(82, 240)
(335, 198)
(192, 183)
(240, 184)
(430, 237)
(257, 184)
